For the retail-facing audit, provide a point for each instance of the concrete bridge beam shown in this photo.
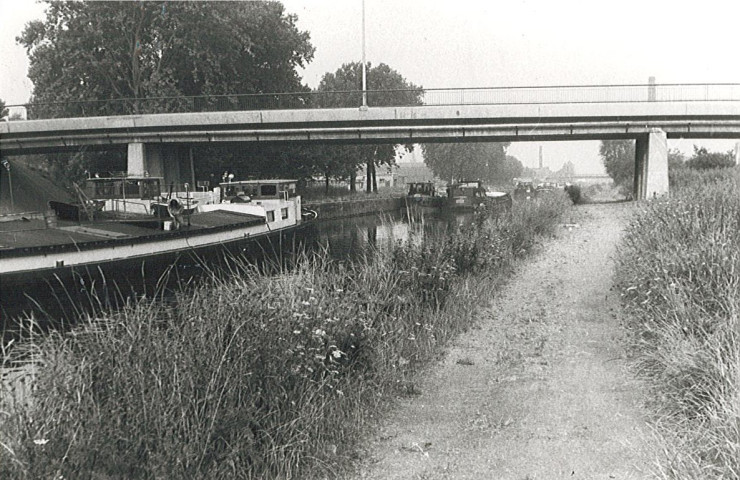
(651, 165)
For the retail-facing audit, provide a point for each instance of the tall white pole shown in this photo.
(364, 72)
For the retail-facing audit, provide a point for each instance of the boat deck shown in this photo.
(33, 233)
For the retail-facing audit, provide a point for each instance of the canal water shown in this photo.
(341, 239)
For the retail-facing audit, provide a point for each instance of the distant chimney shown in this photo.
(541, 156)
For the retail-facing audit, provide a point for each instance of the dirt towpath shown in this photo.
(540, 389)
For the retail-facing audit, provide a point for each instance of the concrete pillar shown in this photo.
(651, 165)
(164, 161)
(136, 159)
(144, 159)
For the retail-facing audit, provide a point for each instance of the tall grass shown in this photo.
(679, 273)
(252, 376)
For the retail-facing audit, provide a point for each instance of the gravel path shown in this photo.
(540, 389)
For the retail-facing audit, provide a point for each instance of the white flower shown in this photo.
(41, 441)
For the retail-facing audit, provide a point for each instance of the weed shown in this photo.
(249, 375)
(679, 275)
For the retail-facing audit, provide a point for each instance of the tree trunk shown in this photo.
(353, 182)
(375, 180)
(368, 179)
(326, 183)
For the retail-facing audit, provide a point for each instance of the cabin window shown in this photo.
(284, 213)
(104, 189)
(268, 190)
(131, 188)
(150, 189)
(270, 215)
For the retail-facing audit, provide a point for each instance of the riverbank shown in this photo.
(540, 388)
(679, 277)
(250, 376)
(330, 209)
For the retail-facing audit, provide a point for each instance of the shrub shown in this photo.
(574, 193)
(679, 274)
(252, 376)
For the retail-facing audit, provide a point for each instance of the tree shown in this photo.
(703, 159)
(566, 171)
(3, 110)
(114, 50)
(386, 87)
(619, 160)
(471, 161)
(97, 52)
(676, 159)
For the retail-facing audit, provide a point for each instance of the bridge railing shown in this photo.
(386, 98)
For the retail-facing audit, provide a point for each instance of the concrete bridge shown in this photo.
(158, 143)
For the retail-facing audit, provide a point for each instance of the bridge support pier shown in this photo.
(166, 161)
(651, 165)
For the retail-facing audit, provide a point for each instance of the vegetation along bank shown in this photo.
(251, 376)
(679, 274)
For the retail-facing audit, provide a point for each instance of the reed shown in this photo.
(253, 376)
(679, 274)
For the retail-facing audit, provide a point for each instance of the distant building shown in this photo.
(399, 175)
(413, 173)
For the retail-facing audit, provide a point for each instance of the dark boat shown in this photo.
(471, 195)
(423, 194)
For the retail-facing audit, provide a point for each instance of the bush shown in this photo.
(679, 274)
(574, 193)
(250, 376)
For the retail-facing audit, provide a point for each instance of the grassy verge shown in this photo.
(250, 376)
(679, 273)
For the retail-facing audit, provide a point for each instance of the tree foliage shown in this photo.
(471, 161)
(619, 160)
(704, 160)
(105, 50)
(386, 87)
(676, 159)
(3, 110)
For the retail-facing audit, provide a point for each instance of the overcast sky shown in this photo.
(468, 43)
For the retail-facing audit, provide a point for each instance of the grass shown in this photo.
(679, 274)
(253, 376)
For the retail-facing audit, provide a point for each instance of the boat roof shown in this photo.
(32, 234)
(129, 177)
(256, 182)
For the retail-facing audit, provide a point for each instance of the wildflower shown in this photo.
(319, 332)
(41, 441)
(297, 332)
(337, 353)
(305, 303)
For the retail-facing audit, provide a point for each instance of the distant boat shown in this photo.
(129, 233)
(471, 195)
(423, 194)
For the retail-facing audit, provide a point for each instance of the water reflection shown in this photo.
(353, 237)
(342, 239)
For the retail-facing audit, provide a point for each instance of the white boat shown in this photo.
(237, 212)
